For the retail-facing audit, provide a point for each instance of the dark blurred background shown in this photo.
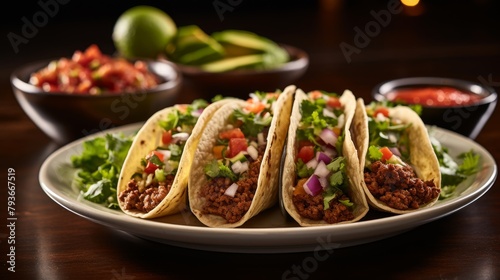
(425, 36)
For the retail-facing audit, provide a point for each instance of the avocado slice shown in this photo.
(192, 46)
(233, 63)
(240, 42)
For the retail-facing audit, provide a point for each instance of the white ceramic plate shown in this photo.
(270, 231)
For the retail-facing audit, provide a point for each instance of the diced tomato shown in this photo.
(231, 133)
(217, 150)
(158, 154)
(333, 102)
(255, 108)
(150, 167)
(166, 137)
(315, 94)
(306, 153)
(182, 108)
(381, 110)
(84, 58)
(91, 69)
(236, 145)
(386, 153)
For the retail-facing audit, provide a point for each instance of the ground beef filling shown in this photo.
(398, 186)
(232, 209)
(311, 207)
(132, 199)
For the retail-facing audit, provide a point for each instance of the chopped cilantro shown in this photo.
(217, 169)
(171, 121)
(346, 202)
(252, 124)
(302, 170)
(186, 120)
(336, 179)
(374, 153)
(327, 197)
(452, 172)
(98, 167)
(470, 163)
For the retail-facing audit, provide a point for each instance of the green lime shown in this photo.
(143, 32)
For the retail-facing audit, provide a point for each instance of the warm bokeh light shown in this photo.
(410, 3)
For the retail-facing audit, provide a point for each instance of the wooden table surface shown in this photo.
(440, 39)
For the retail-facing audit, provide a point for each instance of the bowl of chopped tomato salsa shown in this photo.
(455, 104)
(68, 98)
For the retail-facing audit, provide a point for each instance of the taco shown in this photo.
(399, 167)
(321, 182)
(154, 176)
(234, 175)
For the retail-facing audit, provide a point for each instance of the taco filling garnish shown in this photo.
(238, 152)
(321, 189)
(389, 169)
(156, 171)
(321, 177)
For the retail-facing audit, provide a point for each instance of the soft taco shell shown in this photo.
(349, 151)
(422, 156)
(147, 139)
(266, 194)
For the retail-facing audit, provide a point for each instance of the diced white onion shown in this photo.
(254, 144)
(380, 117)
(328, 113)
(254, 97)
(166, 154)
(393, 138)
(321, 170)
(324, 182)
(330, 151)
(312, 163)
(260, 138)
(149, 179)
(197, 113)
(328, 136)
(231, 190)
(341, 121)
(140, 186)
(168, 167)
(252, 151)
(181, 136)
(239, 167)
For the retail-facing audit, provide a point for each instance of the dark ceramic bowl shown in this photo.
(239, 83)
(467, 120)
(66, 117)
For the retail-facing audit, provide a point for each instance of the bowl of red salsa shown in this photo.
(71, 97)
(454, 104)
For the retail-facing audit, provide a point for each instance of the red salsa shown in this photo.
(434, 96)
(91, 72)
